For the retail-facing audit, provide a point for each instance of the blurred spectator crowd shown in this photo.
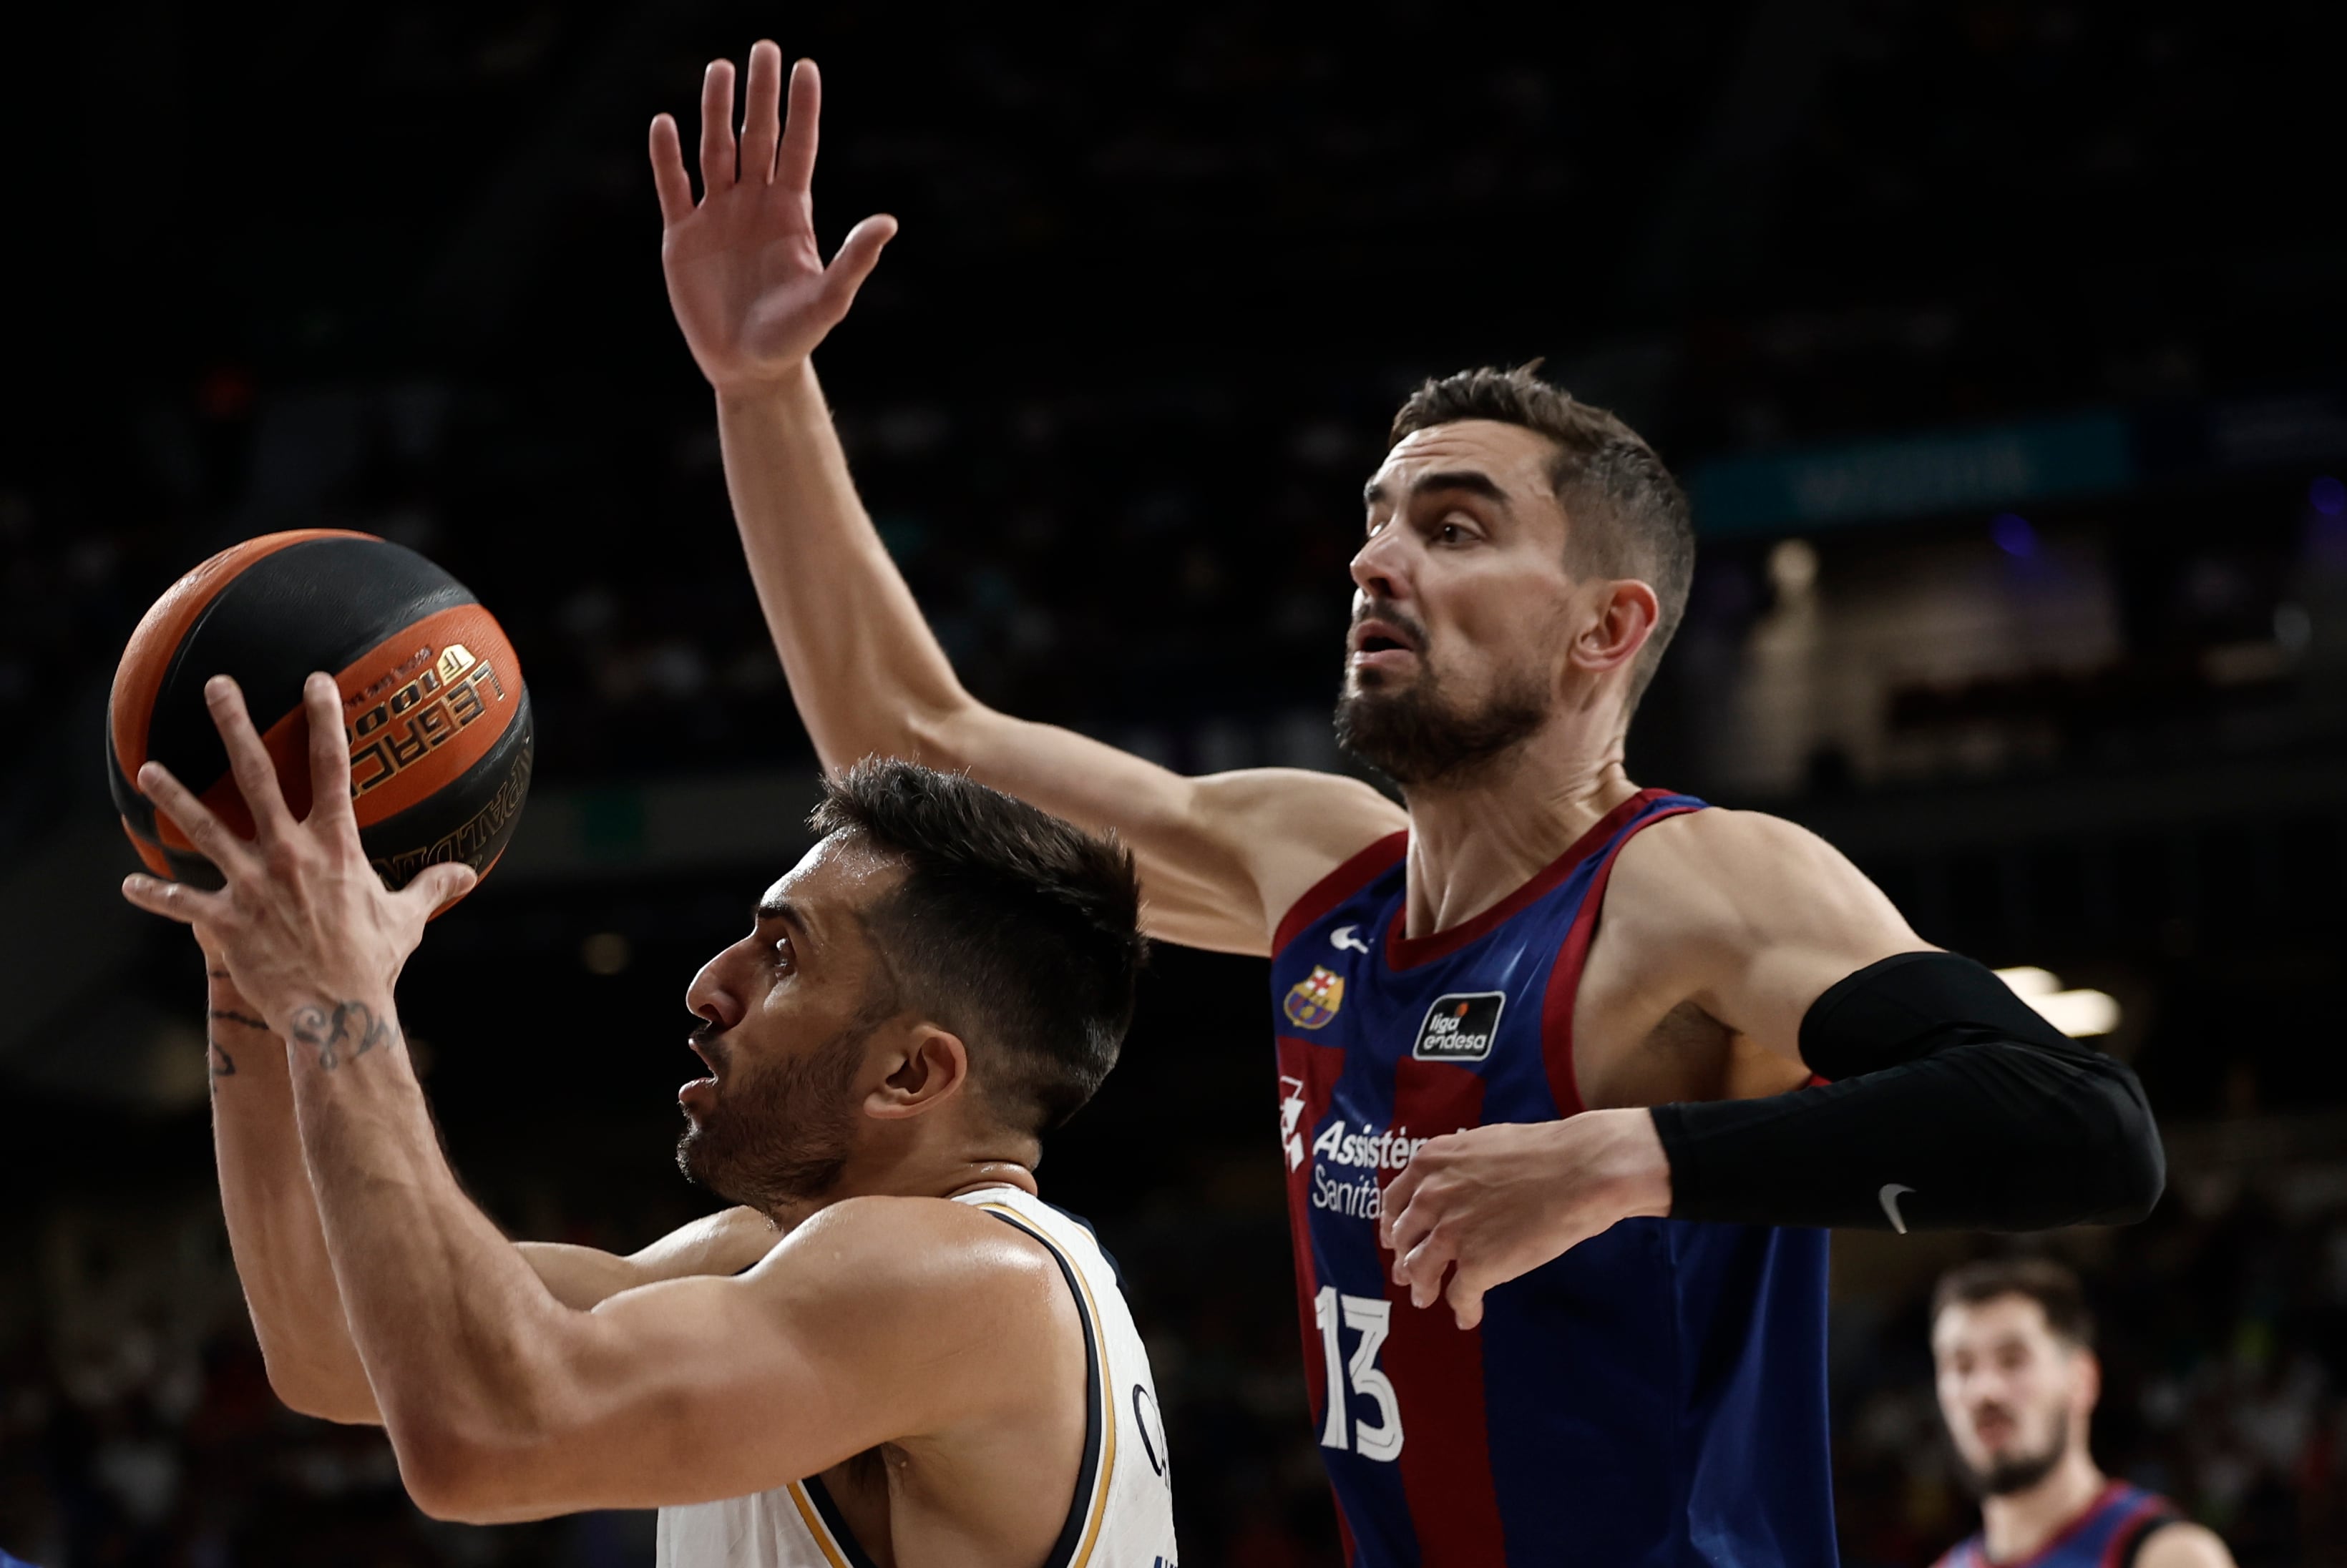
(1112, 395)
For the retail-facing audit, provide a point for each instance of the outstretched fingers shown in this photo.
(795, 168)
(173, 901)
(717, 129)
(248, 761)
(434, 887)
(762, 104)
(857, 256)
(669, 181)
(330, 752)
(212, 838)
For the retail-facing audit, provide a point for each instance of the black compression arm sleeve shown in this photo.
(1954, 1105)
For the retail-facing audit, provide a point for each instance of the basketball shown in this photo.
(433, 707)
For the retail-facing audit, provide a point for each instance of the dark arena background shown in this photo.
(2001, 347)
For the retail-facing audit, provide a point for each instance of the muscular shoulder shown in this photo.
(1746, 916)
(916, 1258)
(1718, 875)
(975, 1309)
(1309, 801)
(1288, 827)
(1319, 819)
(2184, 1544)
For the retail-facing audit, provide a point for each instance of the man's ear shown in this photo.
(1627, 611)
(926, 1068)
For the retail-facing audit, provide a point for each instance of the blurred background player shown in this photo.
(2013, 1343)
(927, 1364)
(1554, 1035)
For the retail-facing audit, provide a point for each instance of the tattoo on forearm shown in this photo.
(222, 1065)
(351, 1030)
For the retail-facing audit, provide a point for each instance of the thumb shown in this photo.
(857, 256)
(437, 887)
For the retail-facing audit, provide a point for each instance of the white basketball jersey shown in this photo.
(1121, 1515)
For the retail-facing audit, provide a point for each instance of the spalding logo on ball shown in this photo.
(433, 702)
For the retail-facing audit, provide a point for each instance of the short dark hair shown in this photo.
(1017, 931)
(2053, 1286)
(1627, 517)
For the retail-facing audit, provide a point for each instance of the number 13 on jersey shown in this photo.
(1371, 1318)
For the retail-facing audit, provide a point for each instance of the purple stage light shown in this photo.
(2328, 497)
(2013, 534)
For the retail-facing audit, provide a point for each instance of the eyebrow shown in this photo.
(1460, 478)
(789, 913)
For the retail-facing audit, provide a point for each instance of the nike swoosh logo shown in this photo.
(1890, 1196)
(1343, 937)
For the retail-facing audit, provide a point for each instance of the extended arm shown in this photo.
(501, 1402)
(280, 1245)
(272, 1220)
(715, 1244)
(1221, 858)
(1952, 1107)
(1952, 1104)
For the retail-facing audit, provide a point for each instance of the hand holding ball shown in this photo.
(434, 714)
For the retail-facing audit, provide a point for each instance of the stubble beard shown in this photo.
(1416, 738)
(2015, 1473)
(780, 1138)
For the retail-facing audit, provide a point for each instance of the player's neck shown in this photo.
(961, 1166)
(2019, 1523)
(1474, 842)
(976, 1175)
(924, 1172)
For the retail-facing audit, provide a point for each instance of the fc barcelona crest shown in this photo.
(1311, 1003)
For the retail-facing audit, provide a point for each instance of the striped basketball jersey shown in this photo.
(1121, 1513)
(1654, 1395)
(2107, 1533)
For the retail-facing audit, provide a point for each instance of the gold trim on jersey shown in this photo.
(817, 1530)
(1107, 1410)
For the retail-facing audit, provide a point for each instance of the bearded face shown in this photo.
(2009, 1471)
(1412, 726)
(776, 1133)
(2015, 1394)
(787, 1017)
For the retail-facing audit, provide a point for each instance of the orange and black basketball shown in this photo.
(433, 702)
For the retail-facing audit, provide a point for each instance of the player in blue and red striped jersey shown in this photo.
(2012, 1341)
(1557, 1157)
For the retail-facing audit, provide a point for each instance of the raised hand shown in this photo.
(744, 277)
(304, 923)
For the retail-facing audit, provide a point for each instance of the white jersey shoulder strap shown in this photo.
(1070, 1244)
(1121, 1514)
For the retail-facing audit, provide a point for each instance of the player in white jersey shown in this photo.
(919, 1363)
(1121, 1511)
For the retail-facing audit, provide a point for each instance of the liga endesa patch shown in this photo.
(1459, 1027)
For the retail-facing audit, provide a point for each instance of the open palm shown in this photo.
(747, 283)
